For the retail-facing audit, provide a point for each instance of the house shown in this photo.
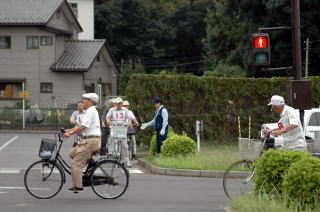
(84, 12)
(40, 51)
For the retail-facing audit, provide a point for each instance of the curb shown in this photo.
(179, 172)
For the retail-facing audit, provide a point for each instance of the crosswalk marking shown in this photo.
(18, 171)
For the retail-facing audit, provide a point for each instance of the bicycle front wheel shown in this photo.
(110, 179)
(237, 180)
(43, 179)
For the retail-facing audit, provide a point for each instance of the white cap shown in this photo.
(276, 100)
(94, 97)
(118, 100)
(126, 103)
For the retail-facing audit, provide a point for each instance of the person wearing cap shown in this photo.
(160, 121)
(232, 118)
(104, 128)
(136, 123)
(119, 116)
(90, 128)
(289, 125)
(77, 115)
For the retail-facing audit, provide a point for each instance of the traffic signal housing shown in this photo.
(261, 49)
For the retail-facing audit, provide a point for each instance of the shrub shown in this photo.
(271, 166)
(302, 181)
(153, 146)
(178, 145)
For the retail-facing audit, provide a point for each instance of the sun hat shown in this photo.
(276, 100)
(126, 103)
(118, 100)
(94, 97)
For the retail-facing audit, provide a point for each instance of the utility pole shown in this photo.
(296, 39)
(307, 56)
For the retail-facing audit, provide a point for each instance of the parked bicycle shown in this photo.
(237, 179)
(44, 179)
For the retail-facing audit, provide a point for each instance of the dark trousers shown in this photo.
(104, 140)
(160, 139)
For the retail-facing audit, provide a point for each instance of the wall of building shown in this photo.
(33, 65)
(85, 17)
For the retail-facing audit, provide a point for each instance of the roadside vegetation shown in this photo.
(210, 157)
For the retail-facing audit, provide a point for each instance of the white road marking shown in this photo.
(9, 171)
(135, 171)
(8, 142)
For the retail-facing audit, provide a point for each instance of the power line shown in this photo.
(179, 64)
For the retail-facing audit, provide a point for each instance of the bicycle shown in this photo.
(237, 179)
(44, 178)
(119, 134)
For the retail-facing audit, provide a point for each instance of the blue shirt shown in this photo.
(165, 117)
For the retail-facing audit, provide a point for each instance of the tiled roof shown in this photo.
(27, 11)
(78, 55)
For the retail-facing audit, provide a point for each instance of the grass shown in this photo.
(266, 203)
(211, 157)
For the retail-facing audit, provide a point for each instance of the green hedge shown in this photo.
(271, 167)
(190, 98)
(301, 183)
(178, 145)
(153, 142)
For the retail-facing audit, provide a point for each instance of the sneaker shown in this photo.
(75, 190)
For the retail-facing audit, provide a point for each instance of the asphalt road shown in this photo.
(146, 192)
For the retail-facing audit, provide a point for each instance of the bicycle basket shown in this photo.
(119, 132)
(47, 148)
(249, 148)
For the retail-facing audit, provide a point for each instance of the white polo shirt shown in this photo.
(119, 116)
(92, 122)
(295, 137)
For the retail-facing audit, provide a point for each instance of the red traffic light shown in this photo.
(261, 42)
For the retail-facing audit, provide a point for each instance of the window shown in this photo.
(10, 90)
(89, 88)
(46, 87)
(32, 42)
(98, 58)
(5, 42)
(74, 8)
(314, 119)
(46, 40)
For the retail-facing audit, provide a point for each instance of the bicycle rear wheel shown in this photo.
(109, 179)
(43, 179)
(237, 180)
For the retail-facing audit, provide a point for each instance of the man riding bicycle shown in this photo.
(90, 127)
(119, 116)
(289, 125)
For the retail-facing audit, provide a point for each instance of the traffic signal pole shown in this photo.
(296, 39)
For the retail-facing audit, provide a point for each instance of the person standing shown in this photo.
(136, 123)
(77, 115)
(160, 121)
(104, 128)
(232, 118)
(90, 128)
(289, 125)
(119, 116)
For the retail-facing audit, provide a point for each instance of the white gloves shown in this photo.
(143, 126)
(162, 132)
